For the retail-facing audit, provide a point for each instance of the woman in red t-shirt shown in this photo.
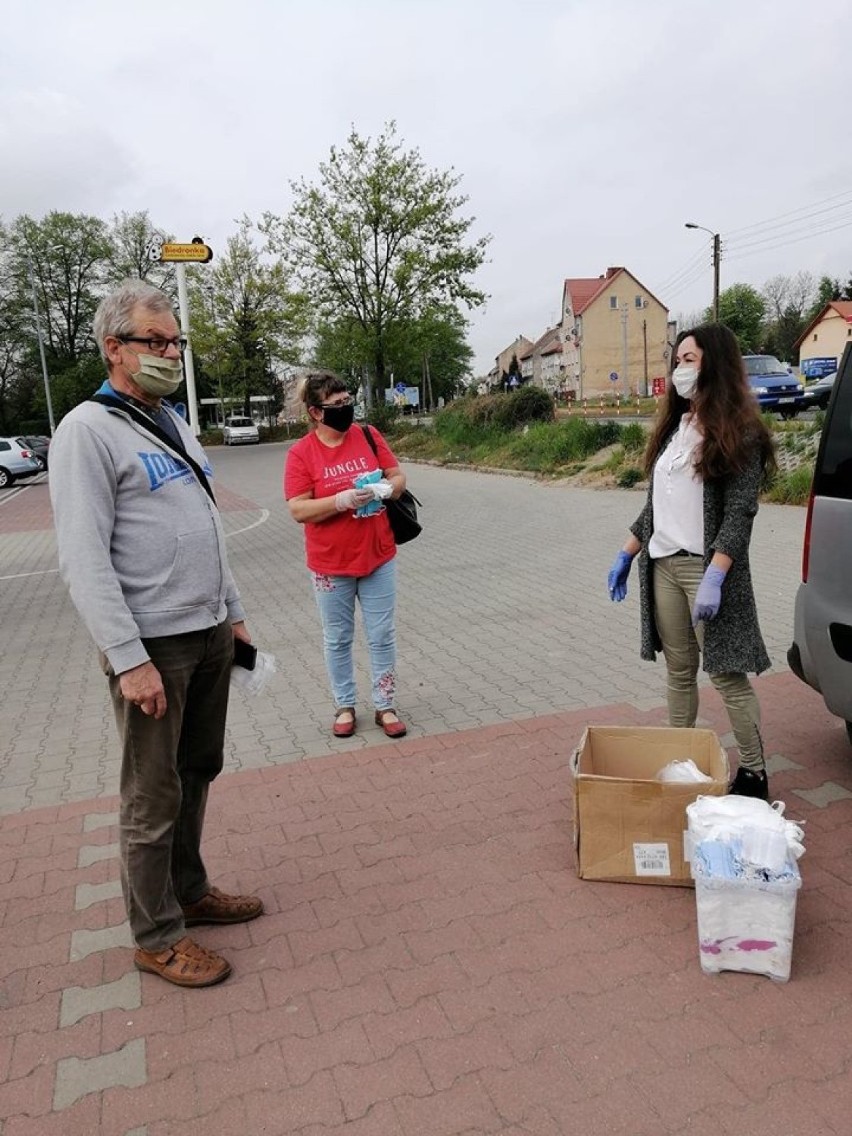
(349, 545)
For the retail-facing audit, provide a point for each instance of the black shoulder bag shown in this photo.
(147, 424)
(401, 511)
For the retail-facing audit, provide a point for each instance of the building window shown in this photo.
(815, 337)
(613, 302)
(638, 302)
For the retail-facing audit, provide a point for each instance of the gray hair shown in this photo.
(115, 311)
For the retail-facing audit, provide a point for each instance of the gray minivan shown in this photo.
(821, 654)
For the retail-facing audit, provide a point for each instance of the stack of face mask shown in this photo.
(744, 857)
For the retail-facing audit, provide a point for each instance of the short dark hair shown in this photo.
(317, 386)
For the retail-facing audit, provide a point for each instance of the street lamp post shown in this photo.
(717, 256)
(41, 346)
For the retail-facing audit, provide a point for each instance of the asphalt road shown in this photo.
(503, 614)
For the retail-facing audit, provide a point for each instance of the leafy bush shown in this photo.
(629, 477)
(792, 488)
(634, 437)
(472, 420)
(383, 417)
(527, 404)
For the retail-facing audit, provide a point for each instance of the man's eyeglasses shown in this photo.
(348, 401)
(155, 343)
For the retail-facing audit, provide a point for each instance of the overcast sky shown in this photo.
(586, 132)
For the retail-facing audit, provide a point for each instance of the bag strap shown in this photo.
(157, 431)
(368, 434)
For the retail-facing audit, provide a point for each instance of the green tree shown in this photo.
(828, 289)
(134, 243)
(246, 322)
(379, 240)
(742, 309)
(67, 254)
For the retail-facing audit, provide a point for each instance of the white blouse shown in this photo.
(678, 498)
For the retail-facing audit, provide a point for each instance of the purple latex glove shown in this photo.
(616, 581)
(708, 598)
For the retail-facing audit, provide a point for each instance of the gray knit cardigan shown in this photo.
(732, 641)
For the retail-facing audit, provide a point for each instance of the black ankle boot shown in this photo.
(747, 783)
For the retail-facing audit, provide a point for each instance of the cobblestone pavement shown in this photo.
(503, 614)
(429, 963)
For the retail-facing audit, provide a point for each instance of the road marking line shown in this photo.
(264, 516)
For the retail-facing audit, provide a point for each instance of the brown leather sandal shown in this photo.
(344, 729)
(184, 963)
(218, 907)
(392, 726)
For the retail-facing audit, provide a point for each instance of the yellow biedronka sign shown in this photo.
(195, 251)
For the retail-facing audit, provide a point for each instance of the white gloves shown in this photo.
(348, 499)
(381, 490)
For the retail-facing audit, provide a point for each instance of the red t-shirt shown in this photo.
(344, 545)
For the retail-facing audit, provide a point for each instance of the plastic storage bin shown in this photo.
(747, 924)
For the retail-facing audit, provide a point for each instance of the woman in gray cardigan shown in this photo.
(706, 459)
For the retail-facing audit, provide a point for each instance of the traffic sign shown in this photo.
(613, 376)
(195, 251)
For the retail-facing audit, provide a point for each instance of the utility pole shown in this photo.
(624, 314)
(41, 346)
(717, 256)
(645, 353)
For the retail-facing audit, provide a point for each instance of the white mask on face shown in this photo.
(158, 376)
(685, 380)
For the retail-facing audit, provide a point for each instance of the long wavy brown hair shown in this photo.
(725, 406)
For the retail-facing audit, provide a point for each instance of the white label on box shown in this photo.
(652, 860)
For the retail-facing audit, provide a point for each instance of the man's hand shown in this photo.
(241, 631)
(143, 687)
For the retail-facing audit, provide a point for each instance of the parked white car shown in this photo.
(240, 431)
(16, 461)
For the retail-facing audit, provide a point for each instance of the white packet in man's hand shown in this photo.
(253, 681)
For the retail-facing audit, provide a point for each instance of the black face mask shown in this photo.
(338, 418)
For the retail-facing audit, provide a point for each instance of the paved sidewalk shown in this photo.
(430, 965)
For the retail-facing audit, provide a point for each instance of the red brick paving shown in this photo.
(430, 965)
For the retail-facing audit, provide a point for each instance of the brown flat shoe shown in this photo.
(391, 724)
(184, 963)
(217, 907)
(344, 727)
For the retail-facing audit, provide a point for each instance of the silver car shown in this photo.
(240, 431)
(16, 461)
(821, 653)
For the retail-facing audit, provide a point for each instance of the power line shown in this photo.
(683, 270)
(791, 241)
(811, 229)
(792, 212)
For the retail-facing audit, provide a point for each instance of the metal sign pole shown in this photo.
(188, 365)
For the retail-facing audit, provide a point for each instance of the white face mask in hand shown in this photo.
(685, 380)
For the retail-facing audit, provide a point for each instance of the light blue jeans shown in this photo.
(336, 597)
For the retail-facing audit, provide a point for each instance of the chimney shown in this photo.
(610, 272)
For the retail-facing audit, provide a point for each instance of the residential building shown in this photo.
(613, 335)
(822, 342)
(542, 363)
(502, 362)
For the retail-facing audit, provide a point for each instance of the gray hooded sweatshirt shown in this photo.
(141, 545)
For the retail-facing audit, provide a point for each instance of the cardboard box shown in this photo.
(629, 827)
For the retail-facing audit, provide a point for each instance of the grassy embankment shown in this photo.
(522, 433)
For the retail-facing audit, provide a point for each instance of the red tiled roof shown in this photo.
(843, 309)
(585, 290)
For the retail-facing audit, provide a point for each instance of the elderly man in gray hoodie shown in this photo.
(142, 550)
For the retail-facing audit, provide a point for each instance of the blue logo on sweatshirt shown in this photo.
(162, 468)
